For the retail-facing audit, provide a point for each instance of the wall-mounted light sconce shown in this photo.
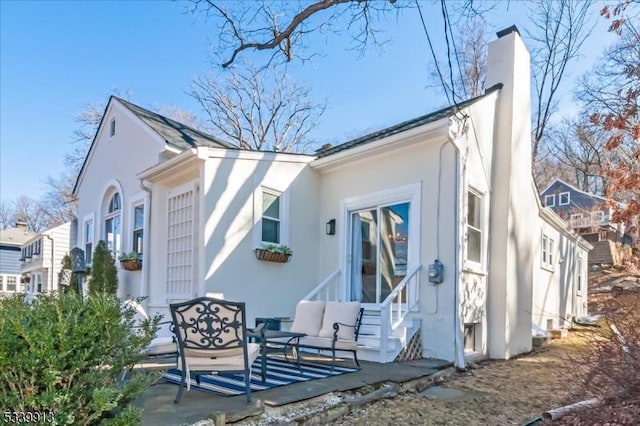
(331, 227)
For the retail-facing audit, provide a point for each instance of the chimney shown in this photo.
(324, 148)
(21, 224)
(514, 212)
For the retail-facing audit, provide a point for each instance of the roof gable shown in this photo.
(174, 133)
(559, 184)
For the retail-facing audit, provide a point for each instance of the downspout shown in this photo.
(146, 265)
(52, 260)
(456, 128)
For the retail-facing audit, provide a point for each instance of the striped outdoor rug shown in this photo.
(279, 373)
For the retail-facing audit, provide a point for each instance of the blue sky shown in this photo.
(55, 57)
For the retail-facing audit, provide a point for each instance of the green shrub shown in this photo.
(104, 275)
(65, 355)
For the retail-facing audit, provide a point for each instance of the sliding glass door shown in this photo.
(379, 238)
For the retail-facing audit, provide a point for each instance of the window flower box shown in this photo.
(130, 261)
(274, 253)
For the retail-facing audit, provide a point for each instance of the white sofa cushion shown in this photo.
(342, 312)
(308, 319)
(325, 342)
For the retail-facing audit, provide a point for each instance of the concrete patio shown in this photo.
(160, 410)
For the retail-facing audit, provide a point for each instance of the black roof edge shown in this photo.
(508, 30)
(406, 125)
(225, 144)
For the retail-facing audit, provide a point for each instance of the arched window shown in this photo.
(113, 224)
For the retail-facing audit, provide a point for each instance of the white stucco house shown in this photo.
(451, 188)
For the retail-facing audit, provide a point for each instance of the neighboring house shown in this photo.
(41, 257)
(583, 211)
(369, 220)
(11, 239)
(589, 215)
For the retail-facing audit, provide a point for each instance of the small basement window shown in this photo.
(471, 337)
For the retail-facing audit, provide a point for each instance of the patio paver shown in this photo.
(160, 410)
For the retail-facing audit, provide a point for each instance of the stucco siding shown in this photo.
(114, 162)
(416, 163)
(233, 209)
(556, 297)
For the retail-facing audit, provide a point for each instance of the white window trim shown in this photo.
(109, 216)
(551, 197)
(580, 276)
(284, 214)
(406, 193)
(112, 125)
(471, 265)
(135, 201)
(86, 219)
(568, 194)
(547, 254)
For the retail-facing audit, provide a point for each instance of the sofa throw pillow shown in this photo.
(308, 319)
(342, 312)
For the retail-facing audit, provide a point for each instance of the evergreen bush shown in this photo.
(104, 275)
(64, 355)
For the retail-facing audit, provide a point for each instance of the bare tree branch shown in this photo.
(560, 28)
(258, 108)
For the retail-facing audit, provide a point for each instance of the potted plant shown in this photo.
(274, 253)
(130, 261)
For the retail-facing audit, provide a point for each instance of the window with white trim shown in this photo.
(548, 246)
(36, 278)
(180, 244)
(579, 277)
(474, 227)
(88, 240)
(11, 283)
(1, 282)
(550, 200)
(112, 127)
(138, 228)
(564, 198)
(271, 216)
(113, 224)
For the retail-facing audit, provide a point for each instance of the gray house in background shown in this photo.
(582, 210)
(589, 215)
(11, 240)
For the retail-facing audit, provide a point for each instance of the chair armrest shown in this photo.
(336, 328)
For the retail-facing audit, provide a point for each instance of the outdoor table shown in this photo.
(266, 336)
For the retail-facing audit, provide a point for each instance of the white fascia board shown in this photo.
(186, 157)
(433, 130)
(283, 157)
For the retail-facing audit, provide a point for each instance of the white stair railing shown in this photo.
(327, 290)
(395, 308)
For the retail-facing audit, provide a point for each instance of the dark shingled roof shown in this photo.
(175, 133)
(405, 125)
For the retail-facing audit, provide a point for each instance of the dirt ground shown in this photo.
(503, 393)
(509, 392)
